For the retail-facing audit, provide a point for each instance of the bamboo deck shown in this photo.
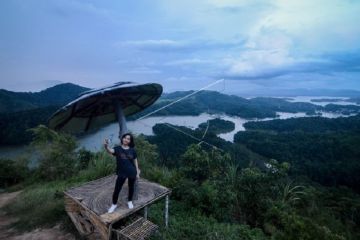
(87, 204)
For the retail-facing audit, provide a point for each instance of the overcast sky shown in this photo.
(180, 44)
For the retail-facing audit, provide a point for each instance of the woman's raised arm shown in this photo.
(107, 148)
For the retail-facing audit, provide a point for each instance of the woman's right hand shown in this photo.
(107, 148)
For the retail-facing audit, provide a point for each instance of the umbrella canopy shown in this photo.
(98, 107)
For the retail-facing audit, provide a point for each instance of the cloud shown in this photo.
(272, 52)
(271, 64)
(178, 45)
(154, 45)
(189, 61)
(314, 26)
(257, 41)
(144, 70)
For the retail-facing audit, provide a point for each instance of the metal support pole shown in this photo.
(145, 212)
(166, 211)
(120, 117)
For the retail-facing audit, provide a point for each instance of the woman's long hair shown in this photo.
(132, 143)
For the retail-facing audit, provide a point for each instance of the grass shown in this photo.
(41, 203)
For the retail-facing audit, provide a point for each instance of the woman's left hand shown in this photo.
(138, 173)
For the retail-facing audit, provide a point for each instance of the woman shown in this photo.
(126, 167)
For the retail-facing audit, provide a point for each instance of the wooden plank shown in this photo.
(95, 220)
(125, 212)
(81, 205)
(77, 224)
(166, 211)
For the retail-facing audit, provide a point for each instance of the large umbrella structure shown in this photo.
(96, 108)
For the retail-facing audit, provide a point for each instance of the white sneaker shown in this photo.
(130, 204)
(112, 208)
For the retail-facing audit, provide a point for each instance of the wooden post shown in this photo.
(84, 219)
(145, 212)
(166, 210)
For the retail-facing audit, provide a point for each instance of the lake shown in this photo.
(93, 141)
(309, 98)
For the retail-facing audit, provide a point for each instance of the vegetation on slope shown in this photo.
(215, 196)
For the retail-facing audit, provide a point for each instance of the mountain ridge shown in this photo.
(53, 96)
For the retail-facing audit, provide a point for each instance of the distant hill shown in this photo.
(22, 110)
(176, 94)
(53, 96)
(216, 102)
(299, 92)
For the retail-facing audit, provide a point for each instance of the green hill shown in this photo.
(20, 101)
(22, 110)
(325, 150)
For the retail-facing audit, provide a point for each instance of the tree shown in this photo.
(55, 153)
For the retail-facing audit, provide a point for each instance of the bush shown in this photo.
(194, 225)
(13, 171)
(287, 225)
(56, 153)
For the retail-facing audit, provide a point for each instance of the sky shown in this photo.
(254, 45)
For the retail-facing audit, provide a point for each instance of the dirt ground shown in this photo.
(6, 232)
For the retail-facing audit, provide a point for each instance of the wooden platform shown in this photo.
(87, 204)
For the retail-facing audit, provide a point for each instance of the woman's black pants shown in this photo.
(118, 185)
